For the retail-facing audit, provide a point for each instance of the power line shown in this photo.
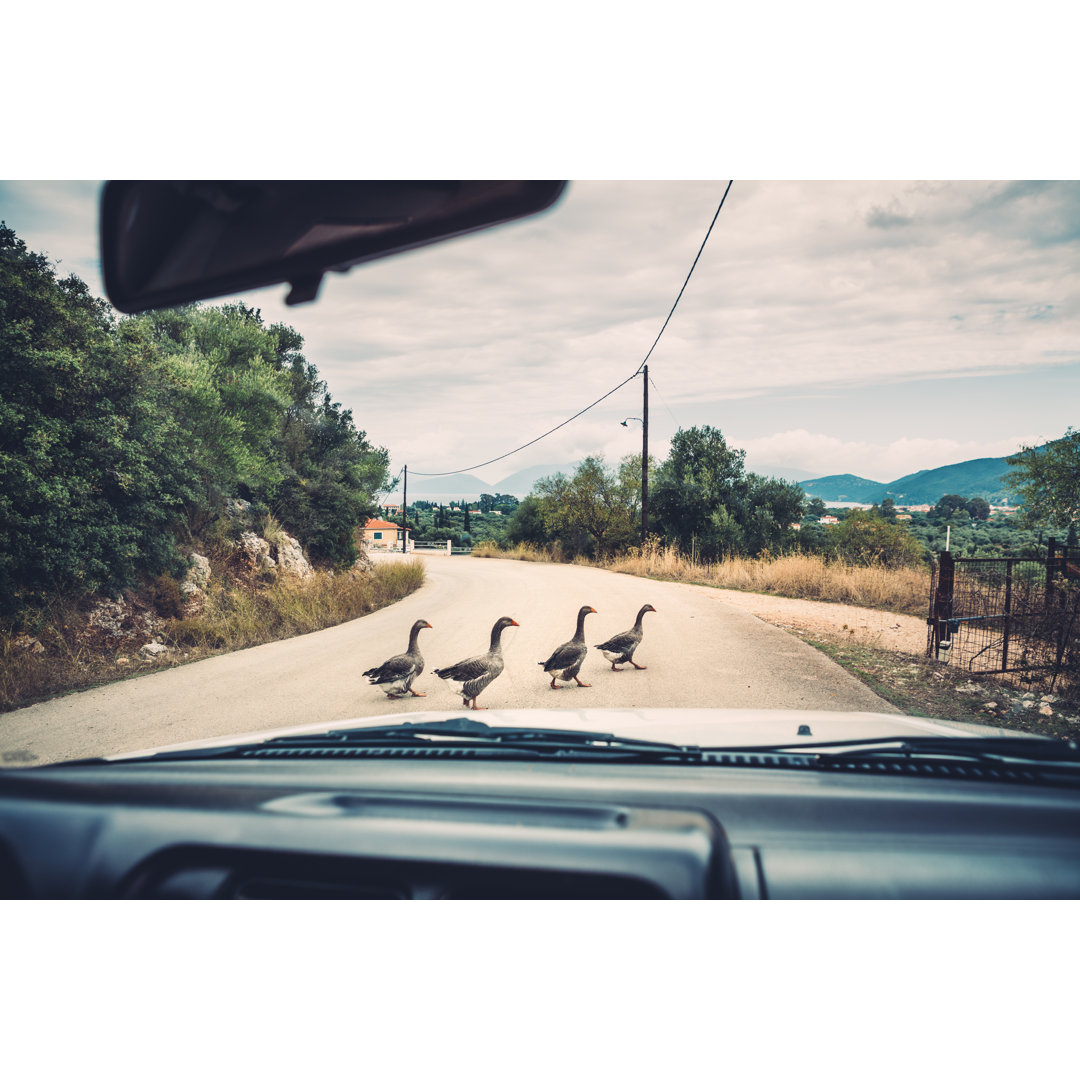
(685, 283)
(531, 442)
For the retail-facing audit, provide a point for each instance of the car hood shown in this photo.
(686, 727)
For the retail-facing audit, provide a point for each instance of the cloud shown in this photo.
(821, 291)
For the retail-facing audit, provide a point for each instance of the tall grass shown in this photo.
(234, 616)
(803, 577)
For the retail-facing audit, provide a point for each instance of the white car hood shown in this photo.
(686, 727)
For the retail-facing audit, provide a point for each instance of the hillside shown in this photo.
(844, 487)
(979, 478)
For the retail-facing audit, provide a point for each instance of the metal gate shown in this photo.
(1014, 617)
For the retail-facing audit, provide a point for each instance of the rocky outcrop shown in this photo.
(193, 587)
(120, 624)
(291, 558)
(285, 555)
(254, 552)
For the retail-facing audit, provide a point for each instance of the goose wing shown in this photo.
(466, 670)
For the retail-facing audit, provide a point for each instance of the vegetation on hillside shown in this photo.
(121, 440)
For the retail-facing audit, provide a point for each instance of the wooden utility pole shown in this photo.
(405, 512)
(645, 461)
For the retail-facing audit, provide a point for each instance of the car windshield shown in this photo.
(734, 459)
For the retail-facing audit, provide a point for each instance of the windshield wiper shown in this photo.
(460, 733)
(995, 748)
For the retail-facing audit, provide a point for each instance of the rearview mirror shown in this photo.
(166, 242)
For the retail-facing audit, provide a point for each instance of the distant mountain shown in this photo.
(981, 478)
(781, 472)
(521, 482)
(459, 485)
(843, 488)
(467, 486)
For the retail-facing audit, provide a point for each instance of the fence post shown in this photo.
(1008, 614)
(1051, 562)
(943, 602)
(448, 551)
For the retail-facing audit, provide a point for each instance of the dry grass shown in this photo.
(803, 577)
(234, 616)
(523, 552)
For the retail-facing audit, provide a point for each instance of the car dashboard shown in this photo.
(452, 828)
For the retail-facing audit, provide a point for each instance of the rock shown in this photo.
(291, 558)
(1045, 710)
(113, 622)
(255, 551)
(237, 508)
(363, 563)
(197, 577)
(1048, 699)
(152, 650)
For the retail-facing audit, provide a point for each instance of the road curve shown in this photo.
(698, 651)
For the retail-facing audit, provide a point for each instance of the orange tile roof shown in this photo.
(374, 523)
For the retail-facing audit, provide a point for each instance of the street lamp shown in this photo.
(644, 455)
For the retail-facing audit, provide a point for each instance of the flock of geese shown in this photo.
(397, 674)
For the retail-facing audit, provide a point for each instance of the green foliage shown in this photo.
(120, 439)
(864, 538)
(526, 524)
(84, 503)
(1047, 480)
(703, 499)
(595, 511)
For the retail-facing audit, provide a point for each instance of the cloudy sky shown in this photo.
(867, 327)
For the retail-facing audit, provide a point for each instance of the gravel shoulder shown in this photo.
(864, 626)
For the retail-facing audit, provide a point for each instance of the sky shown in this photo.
(870, 327)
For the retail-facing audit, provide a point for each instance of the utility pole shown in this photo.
(405, 512)
(645, 461)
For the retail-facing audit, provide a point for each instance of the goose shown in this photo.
(397, 674)
(569, 656)
(478, 671)
(620, 648)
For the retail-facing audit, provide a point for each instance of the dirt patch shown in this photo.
(863, 626)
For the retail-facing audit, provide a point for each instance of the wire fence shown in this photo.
(1014, 618)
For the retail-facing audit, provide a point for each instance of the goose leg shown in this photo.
(640, 667)
(580, 683)
(553, 686)
(416, 693)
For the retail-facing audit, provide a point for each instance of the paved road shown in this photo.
(698, 651)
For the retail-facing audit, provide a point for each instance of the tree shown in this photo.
(595, 510)
(526, 524)
(90, 476)
(979, 509)
(1046, 480)
(950, 507)
(865, 538)
(704, 500)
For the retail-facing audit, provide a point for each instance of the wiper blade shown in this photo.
(459, 733)
(996, 748)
